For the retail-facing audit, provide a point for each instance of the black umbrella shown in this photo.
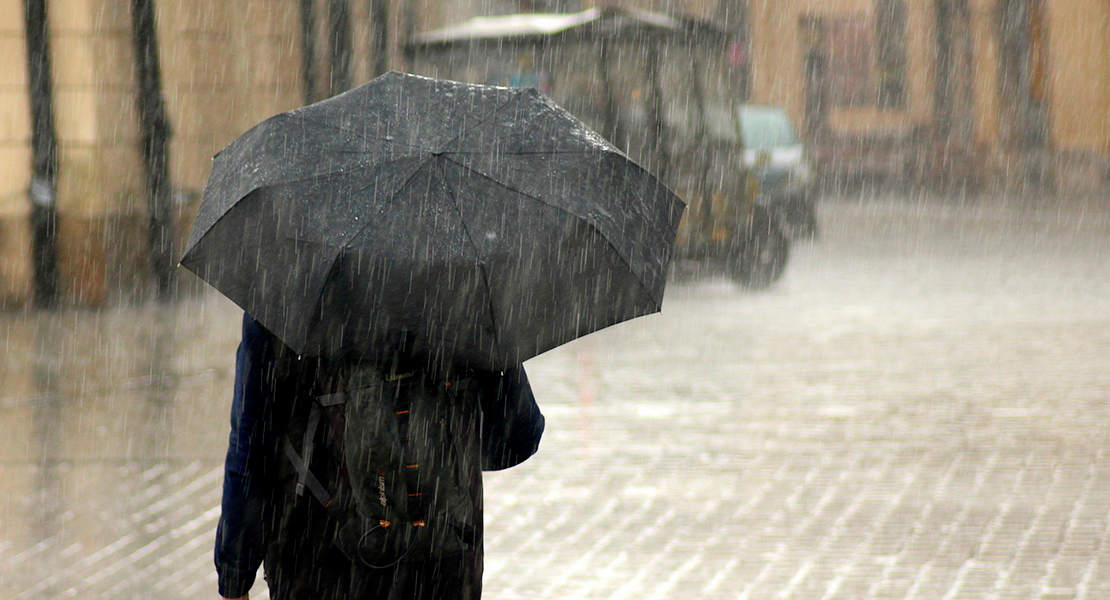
(482, 223)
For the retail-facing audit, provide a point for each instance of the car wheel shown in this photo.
(808, 229)
(762, 256)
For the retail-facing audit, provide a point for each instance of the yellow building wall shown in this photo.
(920, 60)
(778, 62)
(1079, 67)
(985, 82)
(97, 133)
(226, 65)
(15, 158)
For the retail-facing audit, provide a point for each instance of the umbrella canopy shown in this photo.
(478, 223)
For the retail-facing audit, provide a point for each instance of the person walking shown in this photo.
(266, 519)
(401, 249)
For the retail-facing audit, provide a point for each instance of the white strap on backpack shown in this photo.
(305, 478)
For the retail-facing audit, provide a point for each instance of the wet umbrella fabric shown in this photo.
(477, 222)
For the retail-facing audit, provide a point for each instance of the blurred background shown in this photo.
(882, 365)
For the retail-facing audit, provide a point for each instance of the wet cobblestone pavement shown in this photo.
(919, 410)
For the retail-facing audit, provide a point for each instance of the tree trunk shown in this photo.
(379, 19)
(308, 51)
(44, 153)
(155, 132)
(339, 26)
(659, 138)
(609, 109)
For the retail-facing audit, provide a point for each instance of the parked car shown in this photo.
(778, 160)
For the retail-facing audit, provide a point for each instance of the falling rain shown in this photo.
(880, 368)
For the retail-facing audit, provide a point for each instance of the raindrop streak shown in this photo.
(882, 364)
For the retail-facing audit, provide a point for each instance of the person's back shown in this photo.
(385, 465)
(346, 511)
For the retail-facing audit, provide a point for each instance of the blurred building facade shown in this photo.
(226, 65)
(220, 77)
(985, 93)
(973, 92)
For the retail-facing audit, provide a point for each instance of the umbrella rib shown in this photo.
(481, 265)
(316, 307)
(328, 173)
(335, 259)
(532, 153)
(355, 151)
(272, 184)
(313, 119)
(508, 187)
(627, 262)
(493, 114)
(399, 189)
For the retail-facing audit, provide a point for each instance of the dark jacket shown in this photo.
(510, 433)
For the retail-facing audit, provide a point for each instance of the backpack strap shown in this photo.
(305, 478)
(335, 399)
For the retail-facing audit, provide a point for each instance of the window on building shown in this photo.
(865, 57)
(850, 52)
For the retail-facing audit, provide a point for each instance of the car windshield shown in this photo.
(766, 128)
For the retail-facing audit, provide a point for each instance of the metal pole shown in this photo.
(155, 131)
(44, 156)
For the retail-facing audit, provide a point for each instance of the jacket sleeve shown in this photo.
(512, 423)
(240, 543)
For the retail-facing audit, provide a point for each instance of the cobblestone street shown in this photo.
(919, 410)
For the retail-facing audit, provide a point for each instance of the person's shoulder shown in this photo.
(254, 334)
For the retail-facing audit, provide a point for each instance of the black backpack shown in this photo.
(403, 458)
